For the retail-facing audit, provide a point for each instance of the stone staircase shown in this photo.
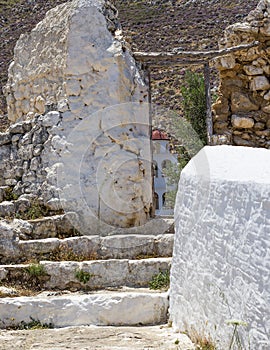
(51, 274)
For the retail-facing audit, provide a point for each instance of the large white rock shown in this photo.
(100, 147)
(221, 258)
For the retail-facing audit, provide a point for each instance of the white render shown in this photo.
(103, 309)
(221, 260)
(162, 154)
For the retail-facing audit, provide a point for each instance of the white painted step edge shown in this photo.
(108, 309)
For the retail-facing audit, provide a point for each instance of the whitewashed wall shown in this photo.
(221, 259)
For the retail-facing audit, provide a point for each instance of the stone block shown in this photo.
(16, 128)
(240, 102)
(7, 209)
(266, 109)
(102, 309)
(228, 62)
(8, 244)
(4, 138)
(259, 83)
(242, 122)
(253, 70)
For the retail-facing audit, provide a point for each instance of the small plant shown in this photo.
(146, 256)
(236, 340)
(36, 211)
(160, 280)
(21, 290)
(64, 253)
(10, 195)
(33, 324)
(83, 276)
(36, 270)
(194, 102)
(201, 341)
(205, 344)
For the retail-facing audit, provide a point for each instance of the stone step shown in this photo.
(160, 337)
(86, 275)
(95, 247)
(25, 207)
(55, 226)
(125, 308)
(60, 226)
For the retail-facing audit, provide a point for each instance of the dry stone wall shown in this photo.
(92, 151)
(242, 111)
(24, 166)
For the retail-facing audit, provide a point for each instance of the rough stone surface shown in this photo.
(96, 338)
(94, 247)
(87, 87)
(8, 292)
(244, 85)
(220, 268)
(100, 274)
(8, 242)
(103, 309)
(242, 122)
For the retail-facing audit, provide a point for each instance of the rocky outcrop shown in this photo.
(242, 111)
(219, 268)
(83, 136)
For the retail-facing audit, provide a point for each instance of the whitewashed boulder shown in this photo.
(221, 259)
(92, 151)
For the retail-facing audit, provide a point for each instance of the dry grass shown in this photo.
(201, 340)
(63, 253)
(22, 291)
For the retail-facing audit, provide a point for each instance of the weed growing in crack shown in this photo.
(160, 280)
(33, 324)
(83, 276)
(201, 341)
(36, 270)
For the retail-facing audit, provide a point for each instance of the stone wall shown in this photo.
(24, 165)
(96, 158)
(220, 268)
(242, 111)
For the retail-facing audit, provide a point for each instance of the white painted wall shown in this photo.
(161, 153)
(221, 259)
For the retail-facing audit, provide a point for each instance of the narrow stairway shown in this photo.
(51, 275)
